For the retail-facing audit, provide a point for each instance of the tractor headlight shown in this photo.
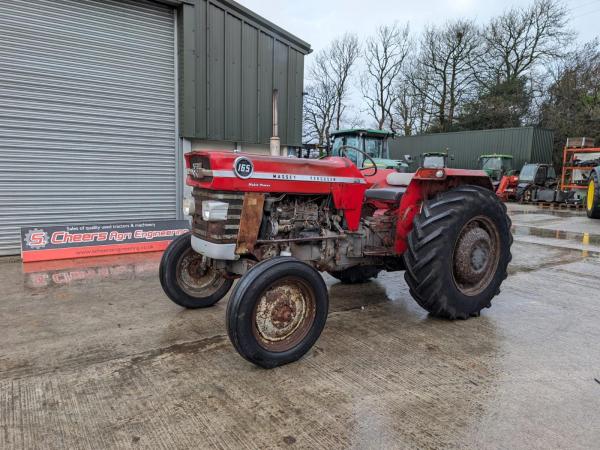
(189, 206)
(213, 211)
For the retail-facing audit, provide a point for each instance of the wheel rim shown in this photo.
(590, 195)
(195, 277)
(284, 314)
(476, 255)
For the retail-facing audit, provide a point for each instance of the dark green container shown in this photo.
(526, 144)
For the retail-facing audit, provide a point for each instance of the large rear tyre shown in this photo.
(277, 311)
(187, 277)
(593, 197)
(458, 252)
(356, 274)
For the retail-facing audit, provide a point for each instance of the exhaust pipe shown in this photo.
(274, 143)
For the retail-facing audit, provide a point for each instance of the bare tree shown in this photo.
(521, 39)
(445, 75)
(325, 101)
(343, 54)
(412, 109)
(320, 101)
(384, 56)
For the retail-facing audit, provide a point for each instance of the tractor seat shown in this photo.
(391, 194)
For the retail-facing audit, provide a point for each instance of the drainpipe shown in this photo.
(275, 144)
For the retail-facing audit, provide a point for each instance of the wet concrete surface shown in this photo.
(93, 355)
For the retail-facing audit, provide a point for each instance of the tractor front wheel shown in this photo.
(188, 278)
(277, 311)
(458, 252)
(593, 198)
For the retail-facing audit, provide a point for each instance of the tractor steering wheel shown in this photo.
(343, 149)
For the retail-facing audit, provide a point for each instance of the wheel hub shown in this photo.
(283, 315)
(475, 256)
(196, 276)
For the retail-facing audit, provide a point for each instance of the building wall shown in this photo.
(526, 144)
(231, 61)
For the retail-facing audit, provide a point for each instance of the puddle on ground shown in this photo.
(545, 212)
(585, 239)
(46, 274)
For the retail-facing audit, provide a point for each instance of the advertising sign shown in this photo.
(81, 241)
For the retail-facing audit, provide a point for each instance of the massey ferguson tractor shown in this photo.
(274, 223)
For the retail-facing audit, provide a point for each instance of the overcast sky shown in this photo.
(319, 21)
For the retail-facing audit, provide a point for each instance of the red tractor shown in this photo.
(275, 222)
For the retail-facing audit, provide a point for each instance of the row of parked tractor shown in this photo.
(531, 183)
(539, 183)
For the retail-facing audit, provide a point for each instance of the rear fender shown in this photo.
(425, 185)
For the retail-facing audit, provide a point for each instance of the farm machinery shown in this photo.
(592, 202)
(535, 182)
(496, 166)
(372, 145)
(274, 223)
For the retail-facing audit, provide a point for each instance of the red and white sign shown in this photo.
(81, 241)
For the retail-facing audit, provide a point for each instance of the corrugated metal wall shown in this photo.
(228, 84)
(526, 144)
(87, 113)
(542, 146)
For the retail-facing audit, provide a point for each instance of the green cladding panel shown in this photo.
(526, 144)
(232, 60)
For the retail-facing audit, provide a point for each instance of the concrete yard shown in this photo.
(96, 356)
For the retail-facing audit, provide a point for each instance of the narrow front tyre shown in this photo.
(188, 278)
(277, 311)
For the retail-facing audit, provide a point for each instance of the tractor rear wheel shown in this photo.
(187, 277)
(277, 311)
(458, 252)
(593, 197)
(356, 274)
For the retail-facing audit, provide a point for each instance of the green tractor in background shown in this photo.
(372, 142)
(497, 166)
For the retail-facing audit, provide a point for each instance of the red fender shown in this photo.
(426, 184)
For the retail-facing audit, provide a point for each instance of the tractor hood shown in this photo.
(231, 171)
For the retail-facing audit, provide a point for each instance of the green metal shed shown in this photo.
(231, 60)
(525, 144)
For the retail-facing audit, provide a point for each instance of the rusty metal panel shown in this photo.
(252, 214)
(221, 232)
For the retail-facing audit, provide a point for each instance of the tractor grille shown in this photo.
(223, 232)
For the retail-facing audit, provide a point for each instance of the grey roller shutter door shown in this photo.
(87, 113)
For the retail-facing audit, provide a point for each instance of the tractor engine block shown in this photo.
(311, 229)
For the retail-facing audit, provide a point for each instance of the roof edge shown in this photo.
(301, 44)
